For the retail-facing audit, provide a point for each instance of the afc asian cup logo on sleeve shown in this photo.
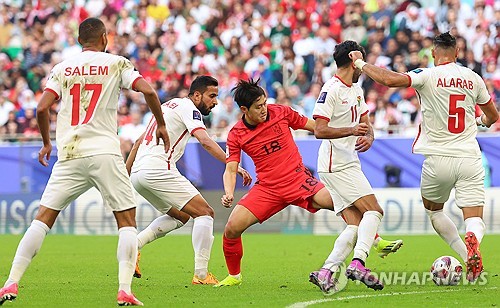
(196, 115)
(227, 152)
(321, 98)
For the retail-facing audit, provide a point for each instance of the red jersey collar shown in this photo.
(336, 76)
(444, 63)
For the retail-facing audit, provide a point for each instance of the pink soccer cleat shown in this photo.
(356, 271)
(125, 299)
(474, 261)
(8, 293)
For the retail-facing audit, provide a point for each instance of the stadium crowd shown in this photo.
(288, 44)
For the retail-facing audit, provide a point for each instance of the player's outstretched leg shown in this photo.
(8, 293)
(474, 260)
(357, 271)
(125, 299)
(385, 247)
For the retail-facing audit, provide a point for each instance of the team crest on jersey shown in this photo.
(196, 115)
(321, 98)
(277, 129)
(417, 70)
(359, 100)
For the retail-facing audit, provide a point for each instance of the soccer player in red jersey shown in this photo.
(282, 179)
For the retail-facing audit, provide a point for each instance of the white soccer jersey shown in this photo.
(182, 119)
(89, 85)
(448, 94)
(342, 106)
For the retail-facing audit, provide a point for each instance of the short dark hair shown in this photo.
(247, 92)
(445, 41)
(342, 50)
(90, 30)
(201, 83)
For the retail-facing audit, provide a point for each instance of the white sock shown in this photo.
(475, 225)
(202, 238)
(448, 231)
(342, 247)
(376, 240)
(127, 256)
(28, 248)
(366, 234)
(158, 228)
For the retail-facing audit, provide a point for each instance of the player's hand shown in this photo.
(247, 178)
(355, 55)
(45, 154)
(360, 130)
(227, 200)
(363, 143)
(161, 133)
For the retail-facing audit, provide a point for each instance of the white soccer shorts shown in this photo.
(346, 186)
(440, 174)
(71, 178)
(164, 188)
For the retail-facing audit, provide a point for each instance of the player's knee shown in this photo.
(231, 231)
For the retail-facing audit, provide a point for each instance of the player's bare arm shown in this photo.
(42, 117)
(323, 131)
(310, 125)
(133, 153)
(363, 143)
(489, 116)
(229, 179)
(216, 151)
(380, 75)
(154, 104)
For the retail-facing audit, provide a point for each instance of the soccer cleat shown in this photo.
(474, 261)
(137, 272)
(386, 247)
(125, 299)
(356, 271)
(229, 281)
(210, 279)
(324, 280)
(8, 293)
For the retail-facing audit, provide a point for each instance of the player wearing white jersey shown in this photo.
(155, 176)
(447, 137)
(342, 122)
(88, 87)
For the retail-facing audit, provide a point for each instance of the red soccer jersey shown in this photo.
(270, 145)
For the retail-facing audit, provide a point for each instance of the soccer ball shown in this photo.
(446, 271)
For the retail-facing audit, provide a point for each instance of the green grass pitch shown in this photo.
(81, 271)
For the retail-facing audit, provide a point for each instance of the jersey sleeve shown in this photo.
(324, 106)
(483, 96)
(418, 77)
(129, 74)
(233, 148)
(295, 119)
(191, 117)
(53, 82)
(363, 107)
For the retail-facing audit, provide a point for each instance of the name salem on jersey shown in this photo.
(455, 83)
(91, 70)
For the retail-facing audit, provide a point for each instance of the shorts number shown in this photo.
(456, 118)
(75, 93)
(311, 182)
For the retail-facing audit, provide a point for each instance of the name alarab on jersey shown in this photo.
(342, 106)
(89, 87)
(269, 144)
(448, 95)
(182, 119)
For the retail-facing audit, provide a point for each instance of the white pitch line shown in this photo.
(319, 301)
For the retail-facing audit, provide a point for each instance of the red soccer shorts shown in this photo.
(265, 201)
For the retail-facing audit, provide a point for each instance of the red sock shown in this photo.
(233, 252)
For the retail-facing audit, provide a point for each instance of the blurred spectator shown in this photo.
(130, 132)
